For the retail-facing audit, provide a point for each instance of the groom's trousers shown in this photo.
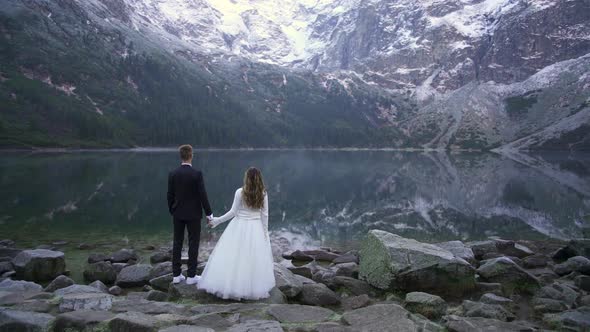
(194, 231)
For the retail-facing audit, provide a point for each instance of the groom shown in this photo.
(187, 198)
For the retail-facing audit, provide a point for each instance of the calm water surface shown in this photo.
(316, 197)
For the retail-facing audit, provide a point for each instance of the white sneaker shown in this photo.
(178, 279)
(193, 280)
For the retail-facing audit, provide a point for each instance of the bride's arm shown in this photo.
(264, 215)
(231, 213)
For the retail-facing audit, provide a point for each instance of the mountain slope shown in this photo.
(269, 73)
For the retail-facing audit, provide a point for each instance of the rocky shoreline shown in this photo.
(390, 284)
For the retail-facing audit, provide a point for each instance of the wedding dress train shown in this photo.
(241, 264)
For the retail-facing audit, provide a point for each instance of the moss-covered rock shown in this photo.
(389, 261)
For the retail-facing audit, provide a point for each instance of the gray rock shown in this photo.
(560, 292)
(43, 306)
(124, 256)
(296, 313)
(355, 302)
(275, 297)
(76, 289)
(494, 311)
(582, 282)
(86, 301)
(16, 320)
(576, 247)
(346, 270)
(354, 286)
(155, 295)
(545, 305)
(214, 321)
(349, 257)
(59, 282)
(6, 266)
(577, 263)
(389, 261)
(512, 277)
(95, 258)
(304, 271)
(535, 261)
(184, 291)
(39, 264)
(119, 267)
(159, 257)
(381, 318)
(133, 322)
(459, 249)
(286, 281)
(9, 252)
(257, 326)
(103, 271)
(115, 290)
(481, 248)
(161, 269)
(148, 307)
(188, 328)
(491, 298)
(80, 320)
(100, 286)
(10, 285)
(161, 283)
(428, 305)
(469, 324)
(571, 320)
(11, 298)
(585, 301)
(134, 276)
(318, 294)
(510, 248)
(86, 246)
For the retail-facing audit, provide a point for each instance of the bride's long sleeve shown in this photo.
(231, 213)
(264, 215)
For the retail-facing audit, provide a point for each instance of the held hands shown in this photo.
(210, 221)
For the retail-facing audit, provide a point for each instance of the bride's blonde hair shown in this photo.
(253, 189)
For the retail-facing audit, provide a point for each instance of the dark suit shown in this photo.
(187, 198)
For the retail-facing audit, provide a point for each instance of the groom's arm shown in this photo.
(170, 194)
(203, 196)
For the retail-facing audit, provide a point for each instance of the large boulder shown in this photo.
(571, 320)
(389, 261)
(9, 285)
(76, 289)
(16, 320)
(469, 324)
(58, 283)
(385, 318)
(100, 286)
(353, 286)
(160, 257)
(428, 305)
(557, 291)
(295, 313)
(318, 294)
(80, 320)
(459, 249)
(576, 247)
(286, 281)
(86, 301)
(512, 277)
(97, 257)
(134, 276)
(191, 328)
(103, 271)
(39, 264)
(148, 307)
(574, 264)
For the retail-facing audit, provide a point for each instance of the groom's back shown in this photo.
(186, 183)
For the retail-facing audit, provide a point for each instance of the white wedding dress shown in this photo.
(241, 264)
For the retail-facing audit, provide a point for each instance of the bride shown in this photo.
(241, 264)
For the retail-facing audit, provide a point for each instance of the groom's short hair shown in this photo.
(186, 152)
